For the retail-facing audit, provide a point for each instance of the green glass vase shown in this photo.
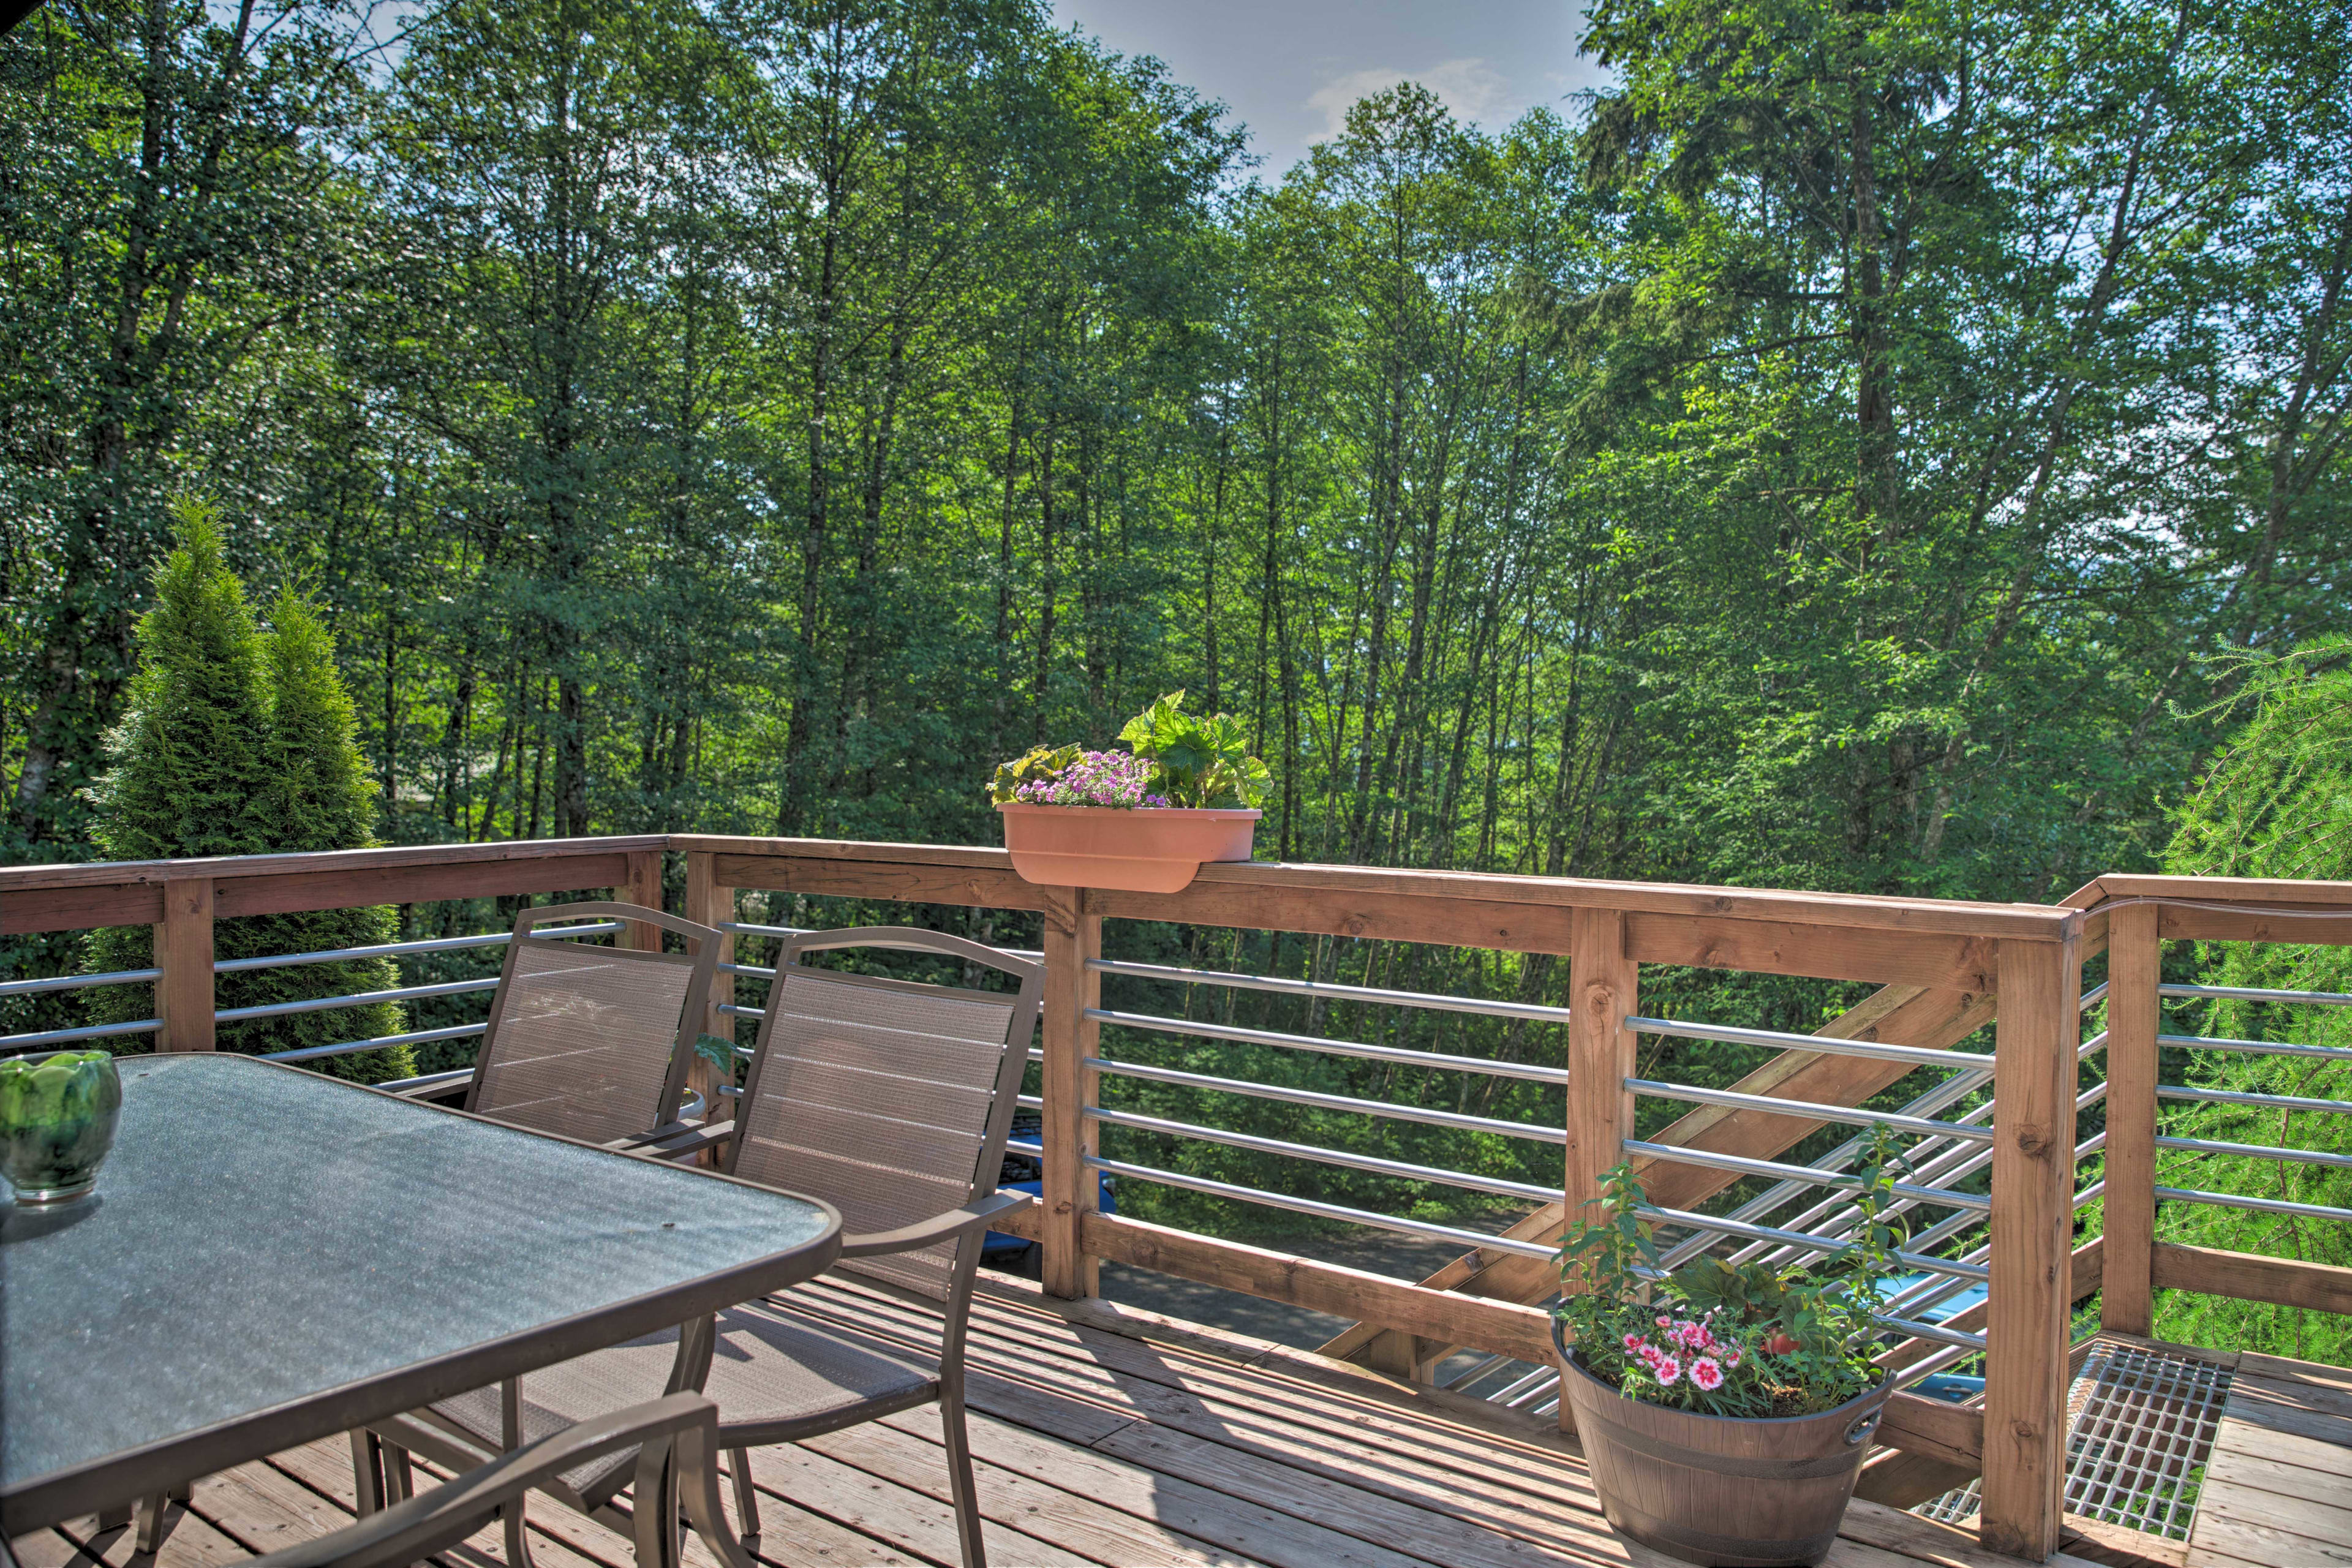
(58, 1112)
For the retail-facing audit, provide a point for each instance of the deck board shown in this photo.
(2278, 1487)
(1108, 1438)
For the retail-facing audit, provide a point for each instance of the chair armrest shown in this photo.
(937, 1228)
(675, 1141)
(411, 1530)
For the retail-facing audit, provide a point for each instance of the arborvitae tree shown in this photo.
(241, 744)
(2277, 802)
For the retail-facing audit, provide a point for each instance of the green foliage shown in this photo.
(2277, 802)
(1746, 1339)
(1202, 761)
(240, 742)
(1041, 764)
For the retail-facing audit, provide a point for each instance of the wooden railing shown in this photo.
(1947, 970)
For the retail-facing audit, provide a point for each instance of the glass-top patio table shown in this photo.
(271, 1256)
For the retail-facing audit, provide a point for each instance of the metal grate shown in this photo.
(2141, 1426)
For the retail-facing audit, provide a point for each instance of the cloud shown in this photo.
(1472, 88)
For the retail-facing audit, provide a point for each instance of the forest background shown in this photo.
(1830, 459)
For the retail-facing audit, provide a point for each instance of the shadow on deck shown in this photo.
(1110, 1437)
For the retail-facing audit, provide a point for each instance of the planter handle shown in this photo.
(1864, 1425)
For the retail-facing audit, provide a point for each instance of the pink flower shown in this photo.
(1635, 1342)
(1665, 1322)
(1704, 1374)
(1731, 1357)
(1665, 1369)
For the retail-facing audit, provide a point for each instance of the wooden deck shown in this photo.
(1104, 1436)
(2278, 1487)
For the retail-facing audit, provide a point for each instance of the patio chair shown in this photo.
(672, 1441)
(593, 1042)
(889, 1099)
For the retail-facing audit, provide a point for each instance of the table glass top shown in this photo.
(260, 1235)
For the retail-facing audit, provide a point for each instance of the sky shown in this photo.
(1289, 68)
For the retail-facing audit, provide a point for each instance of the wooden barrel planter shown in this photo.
(1681, 1481)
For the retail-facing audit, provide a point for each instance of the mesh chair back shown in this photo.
(888, 1099)
(593, 1042)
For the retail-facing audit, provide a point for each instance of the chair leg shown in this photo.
(960, 1489)
(747, 1500)
(510, 1518)
(367, 1471)
(399, 1476)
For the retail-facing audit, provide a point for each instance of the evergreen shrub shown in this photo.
(241, 741)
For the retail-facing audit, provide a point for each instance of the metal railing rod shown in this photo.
(2258, 1047)
(1028, 1102)
(416, 1037)
(1918, 1056)
(2232, 1096)
(752, 928)
(1017, 1145)
(2265, 1206)
(1402, 1169)
(359, 999)
(1798, 1241)
(1806, 1175)
(1808, 1109)
(86, 1031)
(1960, 1339)
(2253, 1150)
(741, 1012)
(77, 982)
(1928, 1365)
(1379, 1108)
(1429, 1000)
(2093, 997)
(395, 949)
(2253, 993)
(1468, 1239)
(429, 1080)
(1401, 1054)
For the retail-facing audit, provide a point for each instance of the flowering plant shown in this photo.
(1177, 759)
(1725, 1338)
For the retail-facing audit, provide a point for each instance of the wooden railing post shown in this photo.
(708, 903)
(2135, 1009)
(2032, 1228)
(184, 951)
(1072, 1189)
(1603, 987)
(644, 889)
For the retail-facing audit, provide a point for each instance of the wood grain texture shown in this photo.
(2033, 1193)
(643, 889)
(711, 903)
(1070, 1188)
(982, 886)
(1498, 1327)
(1604, 985)
(2134, 969)
(276, 893)
(1942, 1430)
(184, 951)
(1823, 951)
(2321, 1287)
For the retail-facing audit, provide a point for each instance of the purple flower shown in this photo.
(1097, 778)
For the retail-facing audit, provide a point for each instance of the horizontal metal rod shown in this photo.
(1379, 1108)
(742, 1012)
(1804, 1243)
(428, 944)
(2258, 1047)
(1015, 1146)
(1401, 1169)
(1459, 1237)
(1810, 1110)
(78, 981)
(2253, 1150)
(311, 1053)
(86, 1031)
(430, 1080)
(2264, 1205)
(762, 971)
(1401, 1054)
(1958, 1338)
(1928, 1365)
(1806, 1173)
(2232, 1096)
(750, 928)
(359, 999)
(2093, 997)
(2253, 993)
(1918, 1056)
(1429, 1000)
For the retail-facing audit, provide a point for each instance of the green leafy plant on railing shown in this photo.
(1198, 761)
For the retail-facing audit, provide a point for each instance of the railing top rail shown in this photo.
(140, 873)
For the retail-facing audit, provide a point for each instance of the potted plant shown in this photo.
(1186, 791)
(1724, 1409)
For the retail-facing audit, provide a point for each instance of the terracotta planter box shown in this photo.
(1138, 851)
(1684, 1483)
